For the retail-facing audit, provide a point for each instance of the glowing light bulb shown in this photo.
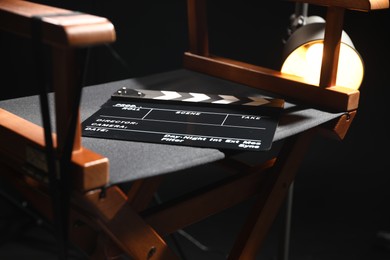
(305, 62)
(313, 60)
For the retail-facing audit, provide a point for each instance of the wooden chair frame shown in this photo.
(108, 218)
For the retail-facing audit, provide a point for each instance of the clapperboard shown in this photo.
(190, 119)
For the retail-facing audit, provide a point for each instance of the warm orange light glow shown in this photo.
(305, 62)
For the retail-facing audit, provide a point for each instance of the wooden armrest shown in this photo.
(66, 32)
(359, 5)
(22, 147)
(60, 27)
(332, 98)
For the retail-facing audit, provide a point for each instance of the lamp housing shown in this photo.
(302, 55)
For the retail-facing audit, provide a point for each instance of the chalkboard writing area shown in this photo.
(181, 123)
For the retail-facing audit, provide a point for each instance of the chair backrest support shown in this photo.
(327, 96)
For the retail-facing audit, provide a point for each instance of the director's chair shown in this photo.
(98, 192)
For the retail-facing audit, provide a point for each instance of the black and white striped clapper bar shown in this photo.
(168, 96)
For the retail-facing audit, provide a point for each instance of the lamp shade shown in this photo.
(303, 56)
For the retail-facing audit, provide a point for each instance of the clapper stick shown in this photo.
(195, 98)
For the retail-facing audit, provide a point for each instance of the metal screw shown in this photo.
(151, 252)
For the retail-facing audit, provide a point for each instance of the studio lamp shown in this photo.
(303, 48)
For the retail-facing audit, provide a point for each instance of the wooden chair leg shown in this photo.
(122, 224)
(142, 191)
(284, 245)
(270, 198)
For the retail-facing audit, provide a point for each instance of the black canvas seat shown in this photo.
(131, 160)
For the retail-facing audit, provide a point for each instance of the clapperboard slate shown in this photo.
(191, 119)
